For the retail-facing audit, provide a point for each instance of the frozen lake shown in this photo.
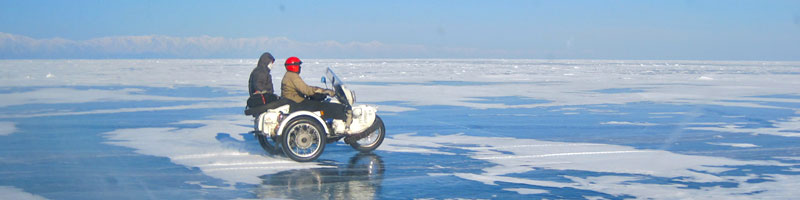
(489, 129)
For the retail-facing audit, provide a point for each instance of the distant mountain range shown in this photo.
(158, 46)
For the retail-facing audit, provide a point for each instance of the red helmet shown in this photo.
(293, 64)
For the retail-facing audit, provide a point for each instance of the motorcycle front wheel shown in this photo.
(373, 139)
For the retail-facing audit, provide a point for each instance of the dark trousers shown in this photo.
(260, 103)
(261, 99)
(330, 110)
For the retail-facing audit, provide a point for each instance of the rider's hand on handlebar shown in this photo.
(329, 92)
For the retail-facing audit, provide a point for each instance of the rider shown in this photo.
(295, 90)
(260, 84)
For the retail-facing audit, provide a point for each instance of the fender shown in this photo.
(363, 117)
(300, 114)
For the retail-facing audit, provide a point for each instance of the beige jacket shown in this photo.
(293, 88)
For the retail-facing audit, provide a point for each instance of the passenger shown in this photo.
(260, 87)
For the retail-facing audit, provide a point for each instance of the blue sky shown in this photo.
(691, 29)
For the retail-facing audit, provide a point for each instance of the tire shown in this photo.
(266, 145)
(373, 139)
(303, 139)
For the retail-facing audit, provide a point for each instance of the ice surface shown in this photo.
(629, 123)
(69, 95)
(488, 128)
(529, 155)
(7, 128)
(202, 105)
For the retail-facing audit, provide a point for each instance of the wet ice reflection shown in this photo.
(360, 178)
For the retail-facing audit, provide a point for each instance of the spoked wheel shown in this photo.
(303, 139)
(267, 143)
(373, 139)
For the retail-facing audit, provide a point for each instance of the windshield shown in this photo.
(342, 94)
(335, 81)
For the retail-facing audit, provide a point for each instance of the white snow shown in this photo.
(204, 186)
(198, 147)
(740, 145)
(526, 190)
(534, 79)
(528, 154)
(9, 192)
(7, 128)
(705, 78)
(788, 157)
(788, 128)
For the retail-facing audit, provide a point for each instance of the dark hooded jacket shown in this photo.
(260, 79)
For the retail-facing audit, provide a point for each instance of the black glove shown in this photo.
(329, 92)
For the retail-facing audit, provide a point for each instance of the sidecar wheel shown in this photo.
(266, 145)
(303, 139)
(373, 139)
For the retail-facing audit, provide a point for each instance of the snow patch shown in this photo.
(7, 128)
(788, 157)
(9, 192)
(704, 78)
(526, 190)
(200, 148)
(788, 128)
(204, 186)
(740, 145)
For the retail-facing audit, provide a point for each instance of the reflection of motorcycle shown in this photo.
(360, 180)
(302, 135)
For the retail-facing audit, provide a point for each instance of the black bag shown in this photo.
(259, 103)
(261, 99)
